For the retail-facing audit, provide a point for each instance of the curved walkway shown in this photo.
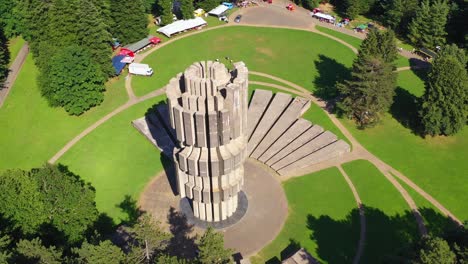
(362, 217)
(13, 72)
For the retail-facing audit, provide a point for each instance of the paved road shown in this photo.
(14, 71)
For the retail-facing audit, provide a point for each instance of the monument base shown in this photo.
(185, 208)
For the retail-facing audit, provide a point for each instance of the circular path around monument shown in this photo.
(264, 219)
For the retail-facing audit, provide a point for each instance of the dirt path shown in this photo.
(128, 104)
(362, 217)
(14, 71)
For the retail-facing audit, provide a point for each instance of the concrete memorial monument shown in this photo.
(208, 108)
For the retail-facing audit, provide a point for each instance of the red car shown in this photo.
(290, 7)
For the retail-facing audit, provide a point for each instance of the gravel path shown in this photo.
(14, 71)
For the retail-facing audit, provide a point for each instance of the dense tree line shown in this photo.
(4, 57)
(48, 215)
(425, 23)
(70, 41)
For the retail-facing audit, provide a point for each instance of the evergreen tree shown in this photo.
(34, 252)
(103, 253)
(62, 24)
(149, 239)
(211, 248)
(186, 9)
(5, 253)
(73, 81)
(444, 108)
(380, 44)
(69, 203)
(93, 34)
(398, 14)
(166, 259)
(427, 29)
(20, 201)
(4, 58)
(130, 21)
(456, 52)
(166, 11)
(369, 92)
(436, 251)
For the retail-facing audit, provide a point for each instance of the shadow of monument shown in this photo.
(419, 63)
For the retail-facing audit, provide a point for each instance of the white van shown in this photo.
(140, 69)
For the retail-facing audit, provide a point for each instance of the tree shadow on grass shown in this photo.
(330, 72)
(387, 240)
(405, 109)
(130, 208)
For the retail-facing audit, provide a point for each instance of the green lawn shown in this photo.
(436, 164)
(390, 223)
(14, 46)
(262, 49)
(32, 132)
(319, 220)
(356, 42)
(116, 159)
(258, 78)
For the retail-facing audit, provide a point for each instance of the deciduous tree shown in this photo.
(20, 201)
(435, 250)
(73, 80)
(444, 108)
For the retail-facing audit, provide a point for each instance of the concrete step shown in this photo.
(333, 150)
(299, 127)
(275, 109)
(319, 142)
(297, 143)
(289, 116)
(258, 104)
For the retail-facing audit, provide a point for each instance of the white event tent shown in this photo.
(218, 11)
(182, 25)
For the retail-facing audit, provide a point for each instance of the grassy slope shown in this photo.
(438, 165)
(356, 42)
(116, 159)
(14, 46)
(32, 131)
(318, 203)
(260, 48)
(390, 224)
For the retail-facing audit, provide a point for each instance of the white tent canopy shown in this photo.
(324, 16)
(218, 10)
(181, 25)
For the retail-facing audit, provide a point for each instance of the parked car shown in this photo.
(223, 18)
(238, 18)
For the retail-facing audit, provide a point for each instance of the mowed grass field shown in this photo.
(32, 131)
(319, 205)
(390, 223)
(356, 42)
(281, 52)
(117, 160)
(436, 164)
